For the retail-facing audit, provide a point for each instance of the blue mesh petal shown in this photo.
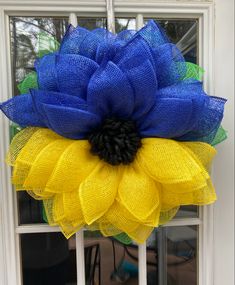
(70, 122)
(124, 36)
(46, 72)
(66, 73)
(207, 126)
(170, 65)
(106, 49)
(109, 93)
(92, 44)
(143, 81)
(187, 89)
(104, 35)
(136, 61)
(73, 73)
(41, 97)
(73, 39)
(20, 110)
(135, 51)
(153, 34)
(57, 98)
(169, 118)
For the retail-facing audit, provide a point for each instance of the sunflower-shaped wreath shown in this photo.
(118, 134)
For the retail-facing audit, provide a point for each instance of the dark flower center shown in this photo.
(116, 141)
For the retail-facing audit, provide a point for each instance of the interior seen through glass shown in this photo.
(48, 258)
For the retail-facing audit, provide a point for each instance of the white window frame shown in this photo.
(9, 230)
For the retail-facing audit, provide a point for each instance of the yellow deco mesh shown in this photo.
(79, 190)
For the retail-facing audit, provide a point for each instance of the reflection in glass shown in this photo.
(184, 33)
(172, 256)
(48, 258)
(124, 23)
(190, 211)
(92, 23)
(24, 34)
(29, 210)
(115, 265)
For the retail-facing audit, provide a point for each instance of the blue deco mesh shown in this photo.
(132, 75)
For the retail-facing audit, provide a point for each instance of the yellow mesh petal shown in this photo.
(121, 218)
(202, 154)
(166, 161)
(106, 228)
(141, 233)
(167, 215)
(68, 229)
(138, 192)
(202, 151)
(41, 196)
(196, 183)
(43, 167)
(74, 165)
(203, 196)
(58, 208)
(72, 208)
(98, 191)
(78, 189)
(18, 143)
(48, 206)
(37, 142)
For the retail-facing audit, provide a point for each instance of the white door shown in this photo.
(196, 247)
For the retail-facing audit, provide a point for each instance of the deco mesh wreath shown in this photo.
(118, 132)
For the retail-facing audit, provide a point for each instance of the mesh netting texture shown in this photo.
(153, 123)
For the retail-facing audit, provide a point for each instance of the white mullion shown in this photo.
(73, 19)
(139, 21)
(183, 222)
(110, 15)
(142, 264)
(36, 228)
(80, 258)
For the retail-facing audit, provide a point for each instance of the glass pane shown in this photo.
(190, 211)
(184, 33)
(113, 264)
(124, 23)
(29, 209)
(92, 23)
(172, 256)
(24, 33)
(48, 258)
